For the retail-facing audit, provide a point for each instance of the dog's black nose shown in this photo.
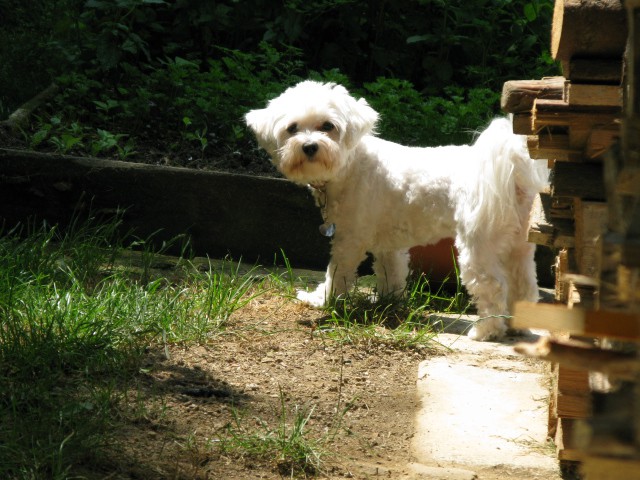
(310, 149)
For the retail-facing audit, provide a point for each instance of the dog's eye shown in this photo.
(327, 127)
(293, 128)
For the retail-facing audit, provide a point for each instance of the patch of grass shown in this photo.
(288, 445)
(64, 343)
(209, 298)
(402, 322)
(73, 329)
(284, 278)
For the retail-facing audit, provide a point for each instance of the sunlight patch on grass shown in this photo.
(74, 328)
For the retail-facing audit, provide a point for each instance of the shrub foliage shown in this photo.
(132, 71)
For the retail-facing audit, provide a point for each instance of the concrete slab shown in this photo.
(483, 408)
(419, 471)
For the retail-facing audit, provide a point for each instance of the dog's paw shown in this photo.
(316, 298)
(490, 328)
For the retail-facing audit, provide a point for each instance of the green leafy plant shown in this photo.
(410, 118)
(107, 141)
(130, 72)
(198, 135)
(67, 138)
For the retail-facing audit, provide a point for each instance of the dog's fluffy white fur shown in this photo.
(384, 198)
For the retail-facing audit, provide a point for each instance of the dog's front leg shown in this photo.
(340, 276)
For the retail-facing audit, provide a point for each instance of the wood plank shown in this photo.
(557, 113)
(522, 124)
(610, 468)
(576, 359)
(540, 210)
(592, 29)
(541, 234)
(594, 70)
(616, 249)
(601, 139)
(552, 418)
(562, 290)
(629, 284)
(630, 260)
(552, 146)
(628, 181)
(590, 225)
(561, 207)
(573, 396)
(577, 321)
(611, 429)
(564, 439)
(578, 179)
(545, 230)
(557, 235)
(572, 379)
(592, 95)
(578, 136)
(556, 141)
(573, 405)
(621, 325)
(518, 95)
(620, 277)
(570, 455)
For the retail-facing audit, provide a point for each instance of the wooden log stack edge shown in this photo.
(586, 124)
(588, 30)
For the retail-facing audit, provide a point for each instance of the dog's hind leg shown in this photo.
(523, 280)
(486, 280)
(489, 295)
(392, 270)
(523, 283)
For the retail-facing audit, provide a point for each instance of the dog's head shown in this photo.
(310, 128)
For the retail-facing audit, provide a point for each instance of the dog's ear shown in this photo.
(361, 120)
(262, 124)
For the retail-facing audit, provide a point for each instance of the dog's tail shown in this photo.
(507, 177)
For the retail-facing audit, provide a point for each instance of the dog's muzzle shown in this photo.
(310, 149)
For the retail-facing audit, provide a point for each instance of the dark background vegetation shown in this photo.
(169, 81)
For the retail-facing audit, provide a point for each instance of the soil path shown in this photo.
(457, 410)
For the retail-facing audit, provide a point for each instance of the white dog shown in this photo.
(380, 197)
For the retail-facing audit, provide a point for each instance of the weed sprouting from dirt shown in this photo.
(288, 444)
(404, 322)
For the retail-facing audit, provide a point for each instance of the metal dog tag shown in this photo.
(328, 229)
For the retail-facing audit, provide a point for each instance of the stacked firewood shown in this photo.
(587, 125)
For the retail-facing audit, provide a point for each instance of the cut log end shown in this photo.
(588, 29)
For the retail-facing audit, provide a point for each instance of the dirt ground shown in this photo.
(363, 394)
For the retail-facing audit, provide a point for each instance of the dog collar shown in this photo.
(320, 193)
